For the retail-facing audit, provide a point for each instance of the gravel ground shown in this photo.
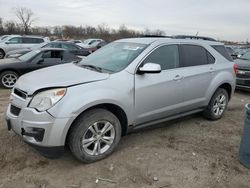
(188, 152)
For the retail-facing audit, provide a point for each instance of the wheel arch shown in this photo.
(113, 108)
(228, 88)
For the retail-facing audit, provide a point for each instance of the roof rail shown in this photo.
(155, 36)
(192, 37)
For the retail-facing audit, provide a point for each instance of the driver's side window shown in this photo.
(167, 56)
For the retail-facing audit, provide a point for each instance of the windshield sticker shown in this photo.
(134, 48)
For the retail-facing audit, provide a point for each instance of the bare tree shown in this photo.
(26, 17)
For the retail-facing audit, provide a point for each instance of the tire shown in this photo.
(8, 79)
(217, 105)
(84, 133)
(2, 54)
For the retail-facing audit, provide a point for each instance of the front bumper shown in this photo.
(243, 83)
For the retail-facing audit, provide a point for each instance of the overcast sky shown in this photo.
(221, 19)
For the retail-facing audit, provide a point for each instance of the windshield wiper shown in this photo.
(98, 69)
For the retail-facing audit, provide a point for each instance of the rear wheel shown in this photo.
(8, 79)
(94, 135)
(217, 105)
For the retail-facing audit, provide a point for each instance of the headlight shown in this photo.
(46, 99)
(241, 72)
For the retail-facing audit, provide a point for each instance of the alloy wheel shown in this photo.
(98, 138)
(219, 104)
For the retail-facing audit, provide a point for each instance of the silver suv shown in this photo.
(127, 85)
(15, 42)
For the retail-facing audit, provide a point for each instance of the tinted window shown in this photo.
(192, 55)
(166, 56)
(222, 50)
(210, 58)
(29, 40)
(52, 54)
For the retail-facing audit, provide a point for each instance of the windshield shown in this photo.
(87, 41)
(115, 56)
(246, 55)
(29, 55)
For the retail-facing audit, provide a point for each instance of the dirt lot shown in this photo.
(189, 152)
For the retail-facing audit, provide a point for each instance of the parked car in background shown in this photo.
(243, 74)
(231, 52)
(126, 85)
(18, 42)
(3, 37)
(12, 68)
(76, 41)
(71, 47)
(97, 45)
(88, 43)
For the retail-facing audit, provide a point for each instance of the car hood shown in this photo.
(244, 64)
(58, 76)
(6, 61)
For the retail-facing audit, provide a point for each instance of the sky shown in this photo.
(221, 19)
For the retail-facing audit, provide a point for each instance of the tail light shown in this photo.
(235, 68)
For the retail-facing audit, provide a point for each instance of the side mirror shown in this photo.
(40, 61)
(7, 42)
(149, 68)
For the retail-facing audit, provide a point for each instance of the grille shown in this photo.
(246, 74)
(20, 93)
(15, 110)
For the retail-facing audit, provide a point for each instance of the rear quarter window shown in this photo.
(223, 51)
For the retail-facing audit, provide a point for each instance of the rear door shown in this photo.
(28, 42)
(197, 70)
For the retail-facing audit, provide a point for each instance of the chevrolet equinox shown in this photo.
(124, 86)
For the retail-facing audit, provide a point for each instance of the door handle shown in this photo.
(178, 77)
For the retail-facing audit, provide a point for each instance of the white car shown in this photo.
(15, 42)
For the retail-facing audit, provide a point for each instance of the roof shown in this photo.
(149, 40)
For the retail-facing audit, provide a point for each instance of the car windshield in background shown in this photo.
(246, 55)
(29, 55)
(115, 56)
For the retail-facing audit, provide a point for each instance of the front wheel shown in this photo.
(94, 135)
(217, 105)
(8, 79)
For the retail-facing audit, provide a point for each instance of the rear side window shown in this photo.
(29, 40)
(166, 56)
(193, 55)
(223, 51)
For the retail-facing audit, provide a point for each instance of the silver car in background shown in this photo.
(15, 42)
(126, 85)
